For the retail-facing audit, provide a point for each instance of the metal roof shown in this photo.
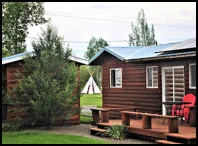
(148, 51)
(15, 58)
(177, 53)
(21, 56)
(188, 44)
(119, 52)
(141, 52)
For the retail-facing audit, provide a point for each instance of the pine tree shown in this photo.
(48, 92)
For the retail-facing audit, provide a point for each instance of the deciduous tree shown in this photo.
(16, 17)
(94, 47)
(141, 34)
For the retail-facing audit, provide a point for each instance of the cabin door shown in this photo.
(172, 85)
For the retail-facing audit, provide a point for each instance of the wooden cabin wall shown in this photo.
(11, 70)
(134, 91)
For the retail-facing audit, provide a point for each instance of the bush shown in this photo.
(116, 131)
(50, 90)
(10, 127)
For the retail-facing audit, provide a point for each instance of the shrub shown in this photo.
(49, 91)
(10, 127)
(116, 131)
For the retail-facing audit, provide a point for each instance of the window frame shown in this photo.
(115, 80)
(190, 87)
(152, 77)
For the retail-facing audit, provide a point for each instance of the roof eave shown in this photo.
(73, 58)
(101, 51)
(175, 50)
(15, 59)
(162, 57)
(79, 60)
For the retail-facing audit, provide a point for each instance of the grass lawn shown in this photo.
(45, 138)
(85, 119)
(91, 99)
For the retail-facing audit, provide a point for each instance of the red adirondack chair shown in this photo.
(184, 111)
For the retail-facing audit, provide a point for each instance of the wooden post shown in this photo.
(135, 110)
(96, 116)
(173, 126)
(105, 116)
(125, 119)
(193, 116)
(146, 122)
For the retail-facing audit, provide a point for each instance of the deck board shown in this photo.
(158, 130)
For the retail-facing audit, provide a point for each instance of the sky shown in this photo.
(78, 22)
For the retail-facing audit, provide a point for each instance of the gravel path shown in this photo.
(83, 130)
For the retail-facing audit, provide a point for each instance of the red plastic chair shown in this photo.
(184, 111)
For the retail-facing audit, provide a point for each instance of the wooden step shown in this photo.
(188, 138)
(96, 131)
(167, 142)
(105, 124)
(182, 136)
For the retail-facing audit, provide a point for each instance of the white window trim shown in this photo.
(152, 77)
(190, 87)
(110, 78)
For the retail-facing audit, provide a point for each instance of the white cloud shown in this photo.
(76, 29)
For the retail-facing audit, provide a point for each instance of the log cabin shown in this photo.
(13, 63)
(146, 76)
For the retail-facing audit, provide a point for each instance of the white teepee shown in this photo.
(91, 87)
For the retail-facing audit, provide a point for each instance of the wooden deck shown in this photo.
(158, 130)
(146, 125)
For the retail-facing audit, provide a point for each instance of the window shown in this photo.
(152, 77)
(192, 76)
(116, 78)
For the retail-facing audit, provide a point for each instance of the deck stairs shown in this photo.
(171, 138)
(176, 138)
(100, 129)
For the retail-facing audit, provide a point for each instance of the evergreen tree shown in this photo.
(49, 92)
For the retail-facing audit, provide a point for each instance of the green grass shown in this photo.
(45, 138)
(91, 99)
(85, 119)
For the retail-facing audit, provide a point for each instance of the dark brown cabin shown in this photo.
(146, 76)
(13, 63)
